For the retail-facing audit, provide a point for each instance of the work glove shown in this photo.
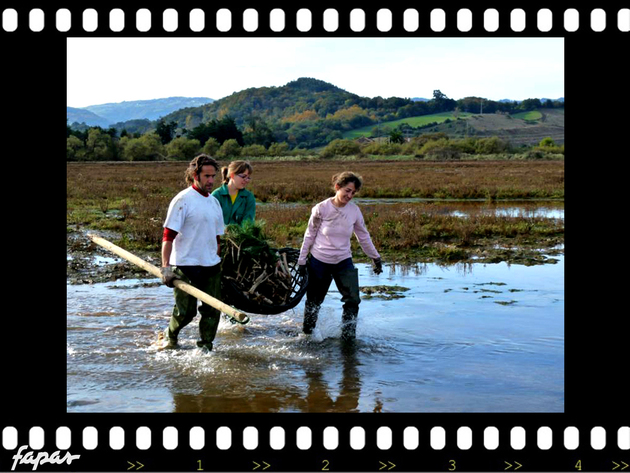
(168, 275)
(377, 266)
(302, 270)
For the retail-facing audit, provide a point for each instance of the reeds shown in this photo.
(138, 195)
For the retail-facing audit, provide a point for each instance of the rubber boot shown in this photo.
(349, 325)
(348, 284)
(311, 311)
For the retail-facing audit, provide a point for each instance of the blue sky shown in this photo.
(104, 70)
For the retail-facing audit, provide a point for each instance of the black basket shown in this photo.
(233, 296)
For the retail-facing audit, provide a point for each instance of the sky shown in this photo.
(111, 70)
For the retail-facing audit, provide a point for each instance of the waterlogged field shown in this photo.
(462, 338)
(132, 198)
(468, 315)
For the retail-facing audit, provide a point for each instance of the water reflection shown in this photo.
(420, 269)
(319, 397)
(465, 338)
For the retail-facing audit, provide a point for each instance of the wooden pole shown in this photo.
(193, 291)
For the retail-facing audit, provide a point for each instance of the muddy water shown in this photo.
(473, 338)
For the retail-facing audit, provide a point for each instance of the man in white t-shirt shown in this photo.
(191, 251)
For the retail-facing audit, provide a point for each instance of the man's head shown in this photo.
(202, 171)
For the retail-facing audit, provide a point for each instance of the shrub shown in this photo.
(341, 147)
(229, 149)
(383, 148)
(440, 150)
(182, 149)
(278, 149)
(254, 150)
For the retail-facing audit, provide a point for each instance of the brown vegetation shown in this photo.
(132, 199)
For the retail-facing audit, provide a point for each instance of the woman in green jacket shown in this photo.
(238, 203)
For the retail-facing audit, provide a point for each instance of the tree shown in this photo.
(341, 147)
(229, 149)
(396, 136)
(99, 145)
(221, 130)
(442, 103)
(74, 149)
(547, 143)
(278, 149)
(258, 132)
(165, 131)
(146, 148)
(182, 148)
(211, 147)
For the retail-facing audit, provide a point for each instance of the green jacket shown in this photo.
(244, 206)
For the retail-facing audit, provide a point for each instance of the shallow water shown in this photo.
(464, 338)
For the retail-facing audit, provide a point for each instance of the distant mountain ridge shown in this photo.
(109, 113)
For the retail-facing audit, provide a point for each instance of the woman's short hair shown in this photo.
(344, 178)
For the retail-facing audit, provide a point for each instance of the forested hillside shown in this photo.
(303, 114)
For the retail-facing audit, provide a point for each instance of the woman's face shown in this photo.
(241, 179)
(344, 193)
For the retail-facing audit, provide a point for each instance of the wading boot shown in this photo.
(206, 345)
(349, 326)
(166, 342)
(311, 311)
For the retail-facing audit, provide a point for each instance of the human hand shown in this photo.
(377, 266)
(168, 276)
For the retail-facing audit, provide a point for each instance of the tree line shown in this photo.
(257, 124)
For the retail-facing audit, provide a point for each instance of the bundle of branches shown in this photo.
(259, 273)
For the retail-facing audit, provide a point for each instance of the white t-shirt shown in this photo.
(198, 220)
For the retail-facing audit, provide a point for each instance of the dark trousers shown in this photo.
(208, 280)
(346, 277)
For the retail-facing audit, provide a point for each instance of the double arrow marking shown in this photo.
(510, 465)
(267, 465)
(133, 465)
(617, 465)
(385, 466)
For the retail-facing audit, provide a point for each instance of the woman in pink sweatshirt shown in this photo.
(327, 239)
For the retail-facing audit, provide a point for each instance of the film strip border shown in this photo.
(281, 449)
(436, 21)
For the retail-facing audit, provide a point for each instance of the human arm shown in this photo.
(168, 276)
(365, 240)
(310, 234)
(250, 208)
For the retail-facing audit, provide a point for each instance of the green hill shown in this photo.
(309, 113)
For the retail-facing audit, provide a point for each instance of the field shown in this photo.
(411, 121)
(531, 116)
(127, 202)
(527, 128)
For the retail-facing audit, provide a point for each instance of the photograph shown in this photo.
(315, 225)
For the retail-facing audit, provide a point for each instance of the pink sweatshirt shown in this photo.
(329, 232)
